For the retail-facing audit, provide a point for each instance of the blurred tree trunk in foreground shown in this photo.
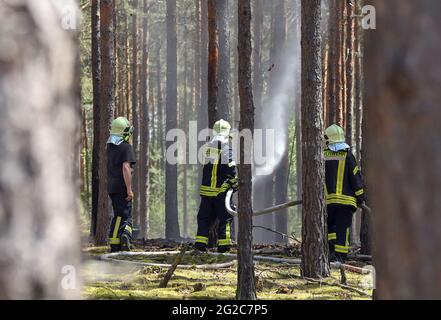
(39, 240)
(403, 80)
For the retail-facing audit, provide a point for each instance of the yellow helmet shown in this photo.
(121, 127)
(334, 134)
(222, 127)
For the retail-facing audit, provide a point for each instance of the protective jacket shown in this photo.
(344, 184)
(219, 172)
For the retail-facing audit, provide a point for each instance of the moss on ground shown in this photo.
(190, 258)
(104, 280)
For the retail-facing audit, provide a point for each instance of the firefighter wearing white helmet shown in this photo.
(219, 175)
(120, 161)
(344, 191)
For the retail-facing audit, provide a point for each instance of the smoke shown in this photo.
(279, 106)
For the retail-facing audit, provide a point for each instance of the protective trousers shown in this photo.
(121, 222)
(210, 209)
(339, 224)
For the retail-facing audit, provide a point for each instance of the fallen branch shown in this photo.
(361, 257)
(261, 212)
(277, 232)
(333, 284)
(173, 267)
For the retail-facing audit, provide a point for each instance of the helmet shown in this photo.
(334, 134)
(222, 128)
(121, 127)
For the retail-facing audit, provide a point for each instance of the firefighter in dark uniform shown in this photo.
(344, 191)
(120, 161)
(219, 175)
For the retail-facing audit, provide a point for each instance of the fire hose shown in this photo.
(272, 209)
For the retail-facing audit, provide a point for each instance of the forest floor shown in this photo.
(275, 281)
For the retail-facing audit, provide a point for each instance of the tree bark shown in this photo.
(403, 97)
(350, 27)
(281, 173)
(213, 63)
(259, 235)
(223, 100)
(96, 75)
(314, 236)
(144, 130)
(39, 116)
(246, 288)
(107, 107)
(332, 63)
(171, 175)
(135, 110)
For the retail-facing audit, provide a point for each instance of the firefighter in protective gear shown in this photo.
(219, 175)
(344, 191)
(120, 162)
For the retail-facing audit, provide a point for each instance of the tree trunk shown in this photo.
(213, 63)
(332, 63)
(403, 97)
(135, 110)
(223, 100)
(39, 116)
(259, 235)
(314, 236)
(281, 174)
(339, 61)
(350, 20)
(96, 75)
(246, 289)
(107, 106)
(144, 130)
(160, 107)
(171, 175)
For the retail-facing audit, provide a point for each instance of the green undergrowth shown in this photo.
(274, 281)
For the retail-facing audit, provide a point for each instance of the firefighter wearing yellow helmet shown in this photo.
(120, 162)
(219, 175)
(344, 191)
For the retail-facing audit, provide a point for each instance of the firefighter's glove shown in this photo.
(234, 184)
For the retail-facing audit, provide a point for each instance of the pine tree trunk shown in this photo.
(39, 116)
(160, 107)
(333, 63)
(144, 131)
(403, 97)
(350, 7)
(171, 175)
(281, 173)
(246, 289)
(339, 63)
(223, 100)
(107, 107)
(213, 63)
(135, 110)
(96, 75)
(259, 235)
(314, 236)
